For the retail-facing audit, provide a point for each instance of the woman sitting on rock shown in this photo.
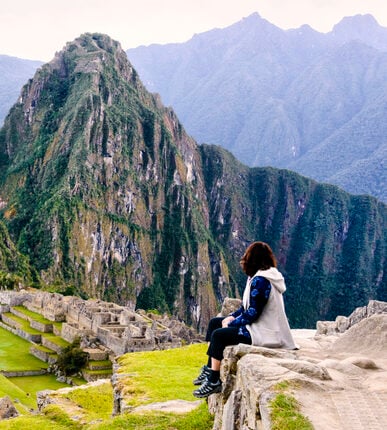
(260, 321)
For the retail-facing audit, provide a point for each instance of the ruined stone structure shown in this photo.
(324, 375)
(103, 327)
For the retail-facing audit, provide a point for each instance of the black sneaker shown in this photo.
(208, 388)
(204, 374)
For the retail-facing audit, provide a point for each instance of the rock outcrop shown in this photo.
(7, 408)
(328, 376)
(342, 323)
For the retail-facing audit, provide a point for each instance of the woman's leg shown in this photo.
(220, 338)
(205, 371)
(223, 337)
(214, 324)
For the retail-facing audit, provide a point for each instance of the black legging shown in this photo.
(220, 337)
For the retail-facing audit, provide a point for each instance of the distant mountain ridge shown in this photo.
(14, 73)
(298, 99)
(104, 191)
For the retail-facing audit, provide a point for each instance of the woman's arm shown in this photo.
(259, 295)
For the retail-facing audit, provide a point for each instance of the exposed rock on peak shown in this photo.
(104, 190)
(363, 28)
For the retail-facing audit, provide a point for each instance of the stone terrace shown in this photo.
(100, 325)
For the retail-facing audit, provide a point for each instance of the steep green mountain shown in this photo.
(14, 73)
(297, 99)
(330, 245)
(102, 189)
(14, 267)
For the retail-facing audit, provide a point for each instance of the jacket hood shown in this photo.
(274, 277)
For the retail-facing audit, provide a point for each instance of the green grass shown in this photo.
(157, 376)
(78, 381)
(22, 324)
(57, 340)
(33, 384)
(44, 349)
(285, 410)
(57, 324)
(198, 419)
(99, 363)
(32, 315)
(98, 372)
(97, 401)
(53, 419)
(14, 353)
(8, 388)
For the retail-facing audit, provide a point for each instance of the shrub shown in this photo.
(72, 359)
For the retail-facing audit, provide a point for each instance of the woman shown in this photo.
(260, 321)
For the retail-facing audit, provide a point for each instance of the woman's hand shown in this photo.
(227, 320)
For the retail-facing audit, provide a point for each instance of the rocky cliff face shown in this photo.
(14, 267)
(328, 243)
(102, 188)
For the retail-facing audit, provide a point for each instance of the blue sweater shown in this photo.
(259, 295)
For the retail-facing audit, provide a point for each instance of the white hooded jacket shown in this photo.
(271, 329)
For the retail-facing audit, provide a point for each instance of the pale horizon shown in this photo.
(36, 30)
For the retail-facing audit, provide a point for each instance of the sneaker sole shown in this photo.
(203, 396)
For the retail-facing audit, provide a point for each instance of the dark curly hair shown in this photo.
(258, 256)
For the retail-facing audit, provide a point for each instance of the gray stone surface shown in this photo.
(174, 406)
(361, 410)
(7, 408)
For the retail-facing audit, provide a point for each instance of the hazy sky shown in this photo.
(36, 29)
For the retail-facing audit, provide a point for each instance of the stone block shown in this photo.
(96, 354)
(7, 408)
(51, 345)
(43, 327)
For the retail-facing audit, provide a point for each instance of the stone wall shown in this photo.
(115, 327)
(14, 298)
(342, 323)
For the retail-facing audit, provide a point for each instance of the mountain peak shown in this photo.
(93, 41)
(361, 27)
(89, 52)
(357, 21)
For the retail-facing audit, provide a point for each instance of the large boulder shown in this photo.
(7, 408)
(342, 323)
(368, 337)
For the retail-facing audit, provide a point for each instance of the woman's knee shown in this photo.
(213, 325)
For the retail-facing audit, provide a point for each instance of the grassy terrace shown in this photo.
(32, 384)
(32, 315)
(14, 354)
(156, 376)
(55, 339)
(22, 324)
(98, 372)
(102, 363)
(8, 388)
(161, 374)
(44, 349)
